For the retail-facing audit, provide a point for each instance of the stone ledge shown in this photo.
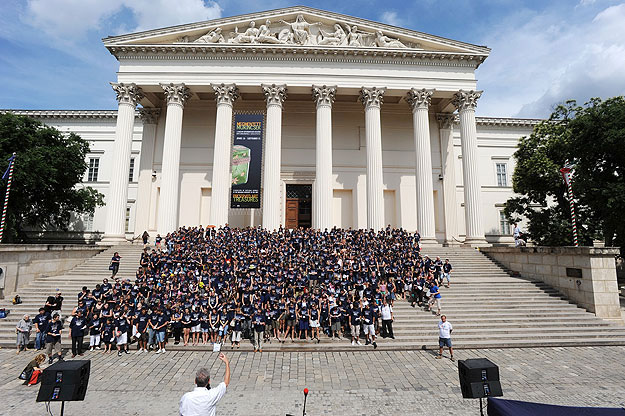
(570, 250)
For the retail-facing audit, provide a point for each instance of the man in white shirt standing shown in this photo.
(202, 400)
(386, 312)
(444, 337)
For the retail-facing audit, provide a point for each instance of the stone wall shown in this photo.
(21, 263)
(586, 275)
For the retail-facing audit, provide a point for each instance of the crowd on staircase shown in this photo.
(207, 286)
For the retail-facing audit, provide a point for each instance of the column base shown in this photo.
(112, 240)
(476, 242)
(430, 242)
(452, 243)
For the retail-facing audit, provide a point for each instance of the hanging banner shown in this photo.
(247, 154)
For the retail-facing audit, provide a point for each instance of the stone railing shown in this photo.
(585, 275)
(21, 263)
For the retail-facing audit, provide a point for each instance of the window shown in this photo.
(502, 174)
(88, 222)
(504, 225)
(127, 218)
(94, 166)
(131, 172)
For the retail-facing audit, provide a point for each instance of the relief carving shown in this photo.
(300, 32)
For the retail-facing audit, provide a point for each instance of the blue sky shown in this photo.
(543, 52)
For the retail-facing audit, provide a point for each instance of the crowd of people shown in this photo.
(203, 286)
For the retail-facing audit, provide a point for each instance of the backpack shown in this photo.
(17, 300)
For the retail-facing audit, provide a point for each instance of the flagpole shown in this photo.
(566, 172)
(6, 196)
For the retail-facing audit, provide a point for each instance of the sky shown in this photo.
(543, 52)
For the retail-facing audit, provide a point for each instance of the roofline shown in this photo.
(112, 114)
(112, 40)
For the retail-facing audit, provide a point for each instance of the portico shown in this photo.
(351, 108)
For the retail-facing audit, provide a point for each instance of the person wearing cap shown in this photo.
(41, 324)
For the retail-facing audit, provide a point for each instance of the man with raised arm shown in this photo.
(202, 400)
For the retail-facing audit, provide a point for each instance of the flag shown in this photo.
(6, 173)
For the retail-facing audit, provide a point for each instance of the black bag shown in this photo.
(26, 375)
(111, 267)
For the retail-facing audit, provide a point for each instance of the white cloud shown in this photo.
(391, 18)
(71, 20)
(542, 60)
(151, 14)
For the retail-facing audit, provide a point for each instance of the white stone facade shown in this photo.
(372, 97)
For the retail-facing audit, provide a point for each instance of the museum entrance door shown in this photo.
(298, 206)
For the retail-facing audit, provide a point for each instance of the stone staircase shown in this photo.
(89, 273)
(487, 307)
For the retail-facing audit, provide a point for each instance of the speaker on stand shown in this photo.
(479, 378)
(65, 381)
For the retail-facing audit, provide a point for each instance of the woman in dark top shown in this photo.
(186, 325)
(115, 263)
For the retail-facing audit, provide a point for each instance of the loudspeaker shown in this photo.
(479, 377)
(65, 381)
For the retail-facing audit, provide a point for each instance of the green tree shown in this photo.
(592, 138)
(47, 178)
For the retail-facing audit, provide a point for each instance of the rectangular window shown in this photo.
(94, 166)
(504, 225)
(131, 172)
(127, 218)
(88, 222)
(502, 174)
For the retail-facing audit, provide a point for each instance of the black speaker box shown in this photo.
(65, 381)
(479, 377)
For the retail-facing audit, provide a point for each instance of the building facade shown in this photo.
(365, 125)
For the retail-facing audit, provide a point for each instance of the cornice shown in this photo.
(118, 40)
(297, 53)
(112, 114)
(504, 121)
(67, 114)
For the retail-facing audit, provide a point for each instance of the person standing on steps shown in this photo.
(447, 271)
(77, 331)
(386, 312)
(114, 266)
(53, 338)
(444, 337)
(435, 298)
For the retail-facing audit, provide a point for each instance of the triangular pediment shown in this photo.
(298, 26)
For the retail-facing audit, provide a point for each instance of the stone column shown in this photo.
(419, 100)
(149, 116)
(322, 193)
(275, 95)
(128, 95)
(446, 126)
(225, 95)
(176, 96)
(465, 102)
(372, 99)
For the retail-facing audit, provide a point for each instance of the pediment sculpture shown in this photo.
(300, 32)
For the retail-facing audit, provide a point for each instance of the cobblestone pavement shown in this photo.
(340, 383)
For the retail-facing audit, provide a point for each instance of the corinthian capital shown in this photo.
(372, 97)
(149, 115)
(127, 93)
(466, 100)
(176, 93)
(323, 95)
(225, 93)
(446, 120)
(419, 98)
(274, 94)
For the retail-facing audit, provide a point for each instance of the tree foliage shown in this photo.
(47, 177)
(592, 138)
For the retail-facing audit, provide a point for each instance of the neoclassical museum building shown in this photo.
(296, 117)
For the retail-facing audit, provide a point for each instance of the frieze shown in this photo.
(299, 32)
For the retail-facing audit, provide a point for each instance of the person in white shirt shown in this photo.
(444, 337)
(386, 312)
(202, 400)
